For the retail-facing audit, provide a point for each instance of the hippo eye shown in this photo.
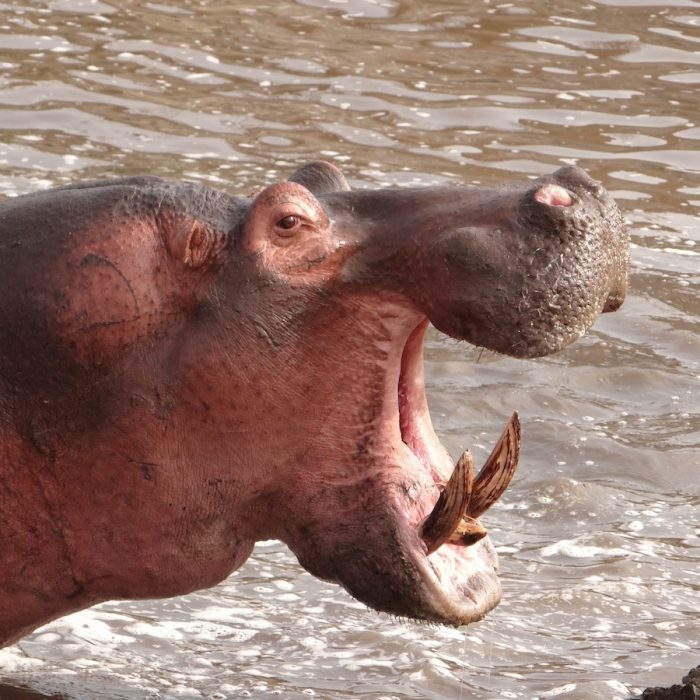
(287, 223)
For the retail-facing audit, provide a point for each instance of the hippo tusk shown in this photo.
(446, 517)
(468, 532)
(498, 470)
(453, 519)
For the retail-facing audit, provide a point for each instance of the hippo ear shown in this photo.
(193, 243)
(320, 178)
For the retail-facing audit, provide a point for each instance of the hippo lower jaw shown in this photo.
(416, 549)
(453, 554)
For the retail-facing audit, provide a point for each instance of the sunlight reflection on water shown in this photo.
(599, 535)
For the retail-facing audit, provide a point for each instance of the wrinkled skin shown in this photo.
(183, 373)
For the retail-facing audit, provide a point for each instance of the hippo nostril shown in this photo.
(554, 196)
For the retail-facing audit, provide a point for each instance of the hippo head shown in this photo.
(334, 290)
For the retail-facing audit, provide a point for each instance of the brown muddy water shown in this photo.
(599, 535)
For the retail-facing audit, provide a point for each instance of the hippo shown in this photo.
(184, 372)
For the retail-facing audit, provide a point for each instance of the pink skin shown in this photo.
(554, 195)
(183, 373)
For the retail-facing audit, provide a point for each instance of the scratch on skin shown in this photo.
(95, 259)
(266, 335)
(59, 531)
(105, 324)
(146, 468)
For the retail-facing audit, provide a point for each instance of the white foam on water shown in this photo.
(568, 688)
(574, 549)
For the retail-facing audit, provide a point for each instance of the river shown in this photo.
(599, 535)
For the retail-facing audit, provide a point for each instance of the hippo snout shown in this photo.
(530, 277)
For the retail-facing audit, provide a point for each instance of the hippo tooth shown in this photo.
(446, 517)
(498, 470)
(468, 532)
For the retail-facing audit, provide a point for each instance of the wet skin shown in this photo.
(184, 372)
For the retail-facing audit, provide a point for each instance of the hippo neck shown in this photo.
(341, 377)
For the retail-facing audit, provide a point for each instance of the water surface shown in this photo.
(599, 536)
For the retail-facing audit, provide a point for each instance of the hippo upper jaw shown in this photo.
(522, 271)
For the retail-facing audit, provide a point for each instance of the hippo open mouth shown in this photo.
(448, 545)
(462, 582)
(463, 499)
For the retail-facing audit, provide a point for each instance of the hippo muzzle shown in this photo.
(522, 271)
(184, 373)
